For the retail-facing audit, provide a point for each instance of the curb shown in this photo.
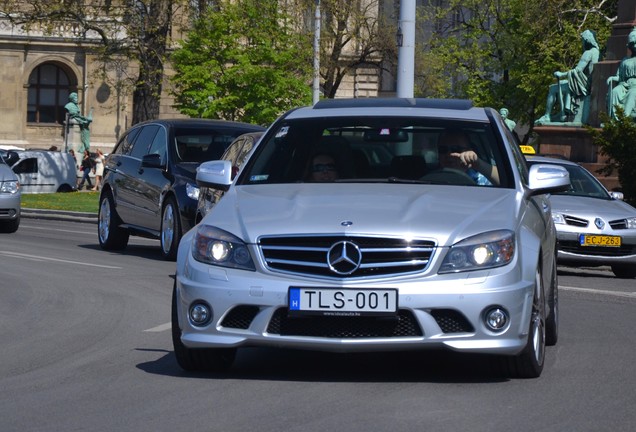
(62, 215)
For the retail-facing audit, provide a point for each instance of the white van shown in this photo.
(43, 171)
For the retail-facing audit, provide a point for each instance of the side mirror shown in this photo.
(151, 161)
(548, 178)
(215, 174)
(617, 195)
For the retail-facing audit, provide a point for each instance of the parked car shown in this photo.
(594, 226)
(44, 171)
(407, 255)
(236, 154)
(10, 197)
(149, 185)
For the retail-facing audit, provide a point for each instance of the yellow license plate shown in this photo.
(599, 240)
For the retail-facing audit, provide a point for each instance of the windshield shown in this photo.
(374, 149)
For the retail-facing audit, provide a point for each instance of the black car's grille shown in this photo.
(240, 317)
(574, 221)
(574, 247)
(452, 321)
(365, 256)
(403, 325)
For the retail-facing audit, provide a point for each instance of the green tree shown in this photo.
(242, 60)
(504, 52)
(617, 141)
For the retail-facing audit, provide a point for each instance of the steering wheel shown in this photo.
(449, 176)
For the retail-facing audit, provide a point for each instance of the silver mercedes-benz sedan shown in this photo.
(594, 226)
(374, 224)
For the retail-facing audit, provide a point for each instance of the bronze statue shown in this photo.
(574, 89)
(511, 124)
(623, 94)
(75, 117)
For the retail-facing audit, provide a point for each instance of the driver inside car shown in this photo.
(455, 152)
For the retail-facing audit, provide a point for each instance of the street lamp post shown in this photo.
(406, 49)
(316, 84)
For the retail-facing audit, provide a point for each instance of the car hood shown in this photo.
(6, 173)
(445, 214)
(591, 207)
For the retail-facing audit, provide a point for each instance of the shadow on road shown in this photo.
(435, 366)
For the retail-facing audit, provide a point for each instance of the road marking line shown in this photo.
(41, 258)
(159, 328)
(597, 291)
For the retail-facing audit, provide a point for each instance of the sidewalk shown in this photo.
(62, 215)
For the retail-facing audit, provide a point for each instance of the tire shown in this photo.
(624, 271)
(552, 320)
(111, 235)
(10, 226)
(170, 229)
(65, 188)
(529, 363)
(198, 359)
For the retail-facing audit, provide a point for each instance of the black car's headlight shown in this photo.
(192, 191)
(217, 247)
(483, 251)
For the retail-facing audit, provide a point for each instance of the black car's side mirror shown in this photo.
(151, 161)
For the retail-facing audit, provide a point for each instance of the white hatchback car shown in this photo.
(374, 224)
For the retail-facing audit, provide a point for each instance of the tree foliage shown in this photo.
(242, 60)
(353, 34)
(504, 52)
(617, 141)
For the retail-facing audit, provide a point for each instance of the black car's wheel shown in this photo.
(111, 235)
(10, 226)
(198, 359)
(170, 229)
(624, 271)
(529, 363)
(552, 320)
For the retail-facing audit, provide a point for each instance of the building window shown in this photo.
(49, 87)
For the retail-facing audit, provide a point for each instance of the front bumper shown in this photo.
(570, 252)
(250, 309)
(9, 206)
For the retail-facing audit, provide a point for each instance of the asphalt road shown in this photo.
(85, 345)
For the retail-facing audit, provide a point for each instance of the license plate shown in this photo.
(599, 240)
(342, 302)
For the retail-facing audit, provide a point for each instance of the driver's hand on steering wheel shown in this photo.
(468, 158)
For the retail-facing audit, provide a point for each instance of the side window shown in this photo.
(520, 160)
(125, 143)
(143, 141)
(26, 166)
(159, 145)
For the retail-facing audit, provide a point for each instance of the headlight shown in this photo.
(558, 218)
(11, 186)
(192, 191)
(217, 247)
(483, 251)
(631, 223)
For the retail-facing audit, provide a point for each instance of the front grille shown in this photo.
(574, 221)
(379, 256)
(403, 325)
(240, 317)
(452, 321)
(575, 248)
(618, 224)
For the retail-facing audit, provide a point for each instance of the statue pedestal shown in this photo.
(74, 142)
(575, 144)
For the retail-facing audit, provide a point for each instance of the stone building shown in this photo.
(39, 71)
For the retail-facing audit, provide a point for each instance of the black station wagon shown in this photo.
(149, 186)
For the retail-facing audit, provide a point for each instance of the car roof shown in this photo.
(194, 122)
(458, 109)
(549, 159)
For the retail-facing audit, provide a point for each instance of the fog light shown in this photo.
(200, 314)
(496, 319)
